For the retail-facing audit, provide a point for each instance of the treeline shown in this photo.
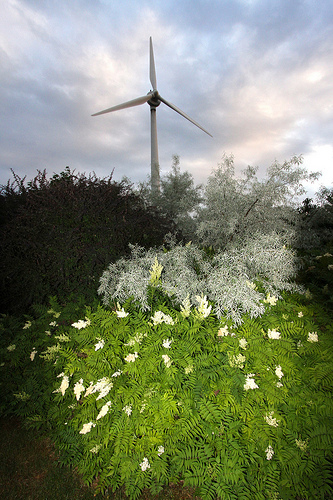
(58, 235)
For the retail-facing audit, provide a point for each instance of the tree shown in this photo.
(58, 235)
(179, 199)
(238, 207)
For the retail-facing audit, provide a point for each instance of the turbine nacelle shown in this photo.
(154, 101)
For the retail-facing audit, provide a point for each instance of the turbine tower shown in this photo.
(154, 99)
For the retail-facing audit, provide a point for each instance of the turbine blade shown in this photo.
(172, 106)
(128, 104)
(152, 72)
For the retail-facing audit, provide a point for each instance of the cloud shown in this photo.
(256, 74)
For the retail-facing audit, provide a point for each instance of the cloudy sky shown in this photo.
(257, 74)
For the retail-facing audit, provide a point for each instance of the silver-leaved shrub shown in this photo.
(236, 280)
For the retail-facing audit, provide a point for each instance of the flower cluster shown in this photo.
(166, 360)
(273, 334)
(100, 344)
(64, 383)
(250, 382)
(167, 343)
(272, 300)
(104, 410)
(145, 464)
(155, 272)
(79, 388)
(103, 386)
(33, 354)
(271, 420)
(120, 312)
(81, 324)
(137, 339)
(130, 358)
(161, 317)
(313, 337)
(128, 409)
(237, 361)
(242, 343)
(269, 452)
(203, 308)
(87, 428)
(302, 445)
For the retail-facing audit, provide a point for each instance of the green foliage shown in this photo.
(141, 399)
(60, 234)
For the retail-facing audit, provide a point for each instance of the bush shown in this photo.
(143, 399)
(236, 280)
(59, 235)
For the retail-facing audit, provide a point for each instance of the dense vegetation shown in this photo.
(210, 365)
(58, 235)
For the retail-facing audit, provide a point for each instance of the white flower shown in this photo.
(103, 386)
(251, 285)
(55, 313)
(78, 388)
(130, 358)
(270, 420)
(53, 323)
(223, 332)
(166, 360)
(145, 464)
(237, 361)
(64, 384)
(11, 348)
(302, 444)
(167, 343)
(273, 334)
(269, 452)
(90, 389)
(160, 317)
(104, 410)
(279, 384)
(100, 344)
(155, 272)
(160, 450)
(185, 308)
(137, 339)
(87, 428)
(313, 337)
(117, 374)
(242, 343)
(128, 409)
(188, 369)
(300, 314)
(250, 382)
(203, 309)
(33, 354)
(330, 267)
(81, 324)
(96, 448)
(271, 300)
(27, 325)
(121, 313)
(278, 371)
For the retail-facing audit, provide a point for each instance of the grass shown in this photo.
(30, 470)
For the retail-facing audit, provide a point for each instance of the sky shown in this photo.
(257, 74)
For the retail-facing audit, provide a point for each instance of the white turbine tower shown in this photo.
(154, 99)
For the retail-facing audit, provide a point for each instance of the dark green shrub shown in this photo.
(59, 235)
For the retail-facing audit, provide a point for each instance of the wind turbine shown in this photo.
(154, 99)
